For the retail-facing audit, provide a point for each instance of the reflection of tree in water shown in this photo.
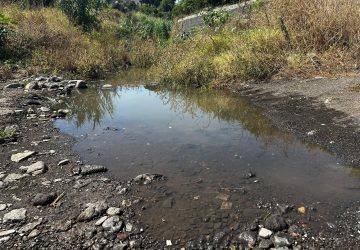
(230, 108)
(227, 107)
(91, 106)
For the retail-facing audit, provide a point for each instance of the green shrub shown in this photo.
(7, 134)
(4, 31)
(82, 12)
(215, 19)
(144, 27)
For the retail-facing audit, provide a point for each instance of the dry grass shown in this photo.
(48, 42)
(316, 38)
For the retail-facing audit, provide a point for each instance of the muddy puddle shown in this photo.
(221, 155)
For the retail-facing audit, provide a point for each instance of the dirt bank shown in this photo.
(325, 112)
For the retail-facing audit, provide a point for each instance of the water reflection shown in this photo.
(91, 106)
(222, 105)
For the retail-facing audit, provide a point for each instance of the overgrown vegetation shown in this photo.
(4, 31)
(82, 12)
(281, 38)
(47, 40)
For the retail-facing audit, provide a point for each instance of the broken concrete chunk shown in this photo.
(22, 156)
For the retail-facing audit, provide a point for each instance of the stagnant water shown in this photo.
(203, 142)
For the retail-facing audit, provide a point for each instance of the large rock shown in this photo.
(93, 210)
(15, 215)
(275, 223)
(22, 156)
(35, 169)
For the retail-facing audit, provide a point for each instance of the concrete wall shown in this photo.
(194, 21)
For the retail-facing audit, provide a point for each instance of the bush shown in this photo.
(215, 19)
(4, 31)
(144, 27)
(82, 12)
(46, 40)
(320, 24)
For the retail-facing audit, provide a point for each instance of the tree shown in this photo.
(166, 5)
(151, 2)
(82, 12)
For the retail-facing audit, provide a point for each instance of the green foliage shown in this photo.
(7, 134)
(125, 5)
(166, 5)
(190, 6)
(145, 27)
(149, 9)
(4, 31)
(257, 4)
(82, 12)
(215, 19)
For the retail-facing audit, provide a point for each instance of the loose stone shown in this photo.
(35, 169)
(15, 215)
(265, 244)
(282, 241)
(63, 162)
(107, 86)
(265, 233)
(43, 199)
(113, 211)
(30, 226)
(101, 220)
(14, 177)
(34, 233)
(92, 169)
(148, 178)
(93, 210)
(2, 207)
(248, 238)
(275, 223)
(4, 239)
(7, 232)
(113, 224)
(22, 156)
